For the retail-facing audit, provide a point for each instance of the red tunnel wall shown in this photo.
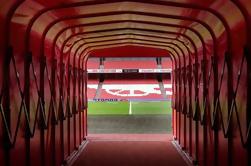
(64, 117)
(45, 145)
(205, 145)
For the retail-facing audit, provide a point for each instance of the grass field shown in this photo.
(129, 108)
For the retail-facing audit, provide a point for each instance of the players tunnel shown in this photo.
(45, 47)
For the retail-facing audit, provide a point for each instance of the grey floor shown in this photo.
(130, 124)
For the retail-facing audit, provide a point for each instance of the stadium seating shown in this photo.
(91, 91)
(93, 83)
(131, 90)
(131, 81)
(166, 63)
(149, 63)
(93, 63)
(166, 81)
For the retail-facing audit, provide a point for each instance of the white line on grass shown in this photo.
(130, 108)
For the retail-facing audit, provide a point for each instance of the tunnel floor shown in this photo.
(130, 150)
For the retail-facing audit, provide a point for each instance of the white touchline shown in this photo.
(130, 108)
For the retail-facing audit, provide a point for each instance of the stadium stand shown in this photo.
(131, 81)
(167, 81)
(133, 63)
(132, 90)
(143, 87)
(168, 86)
(93, 63)
(166, 63)
(162, 89)
(91, 92)
(93, 81)
(98, 91)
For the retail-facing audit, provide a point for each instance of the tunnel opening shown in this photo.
(129, 96)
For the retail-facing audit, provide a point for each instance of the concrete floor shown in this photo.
(155, 124)
(130, 150)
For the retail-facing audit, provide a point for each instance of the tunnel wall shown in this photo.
(44, 121)
(42, 115)
(212, 124)
(49, 125)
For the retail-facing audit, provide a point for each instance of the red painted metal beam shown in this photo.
(122, 21)
(159, 2)
(247, 52)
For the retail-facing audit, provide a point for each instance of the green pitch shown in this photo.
(129, 108)
(108, 108)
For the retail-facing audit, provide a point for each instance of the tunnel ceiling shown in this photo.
(77, 29)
